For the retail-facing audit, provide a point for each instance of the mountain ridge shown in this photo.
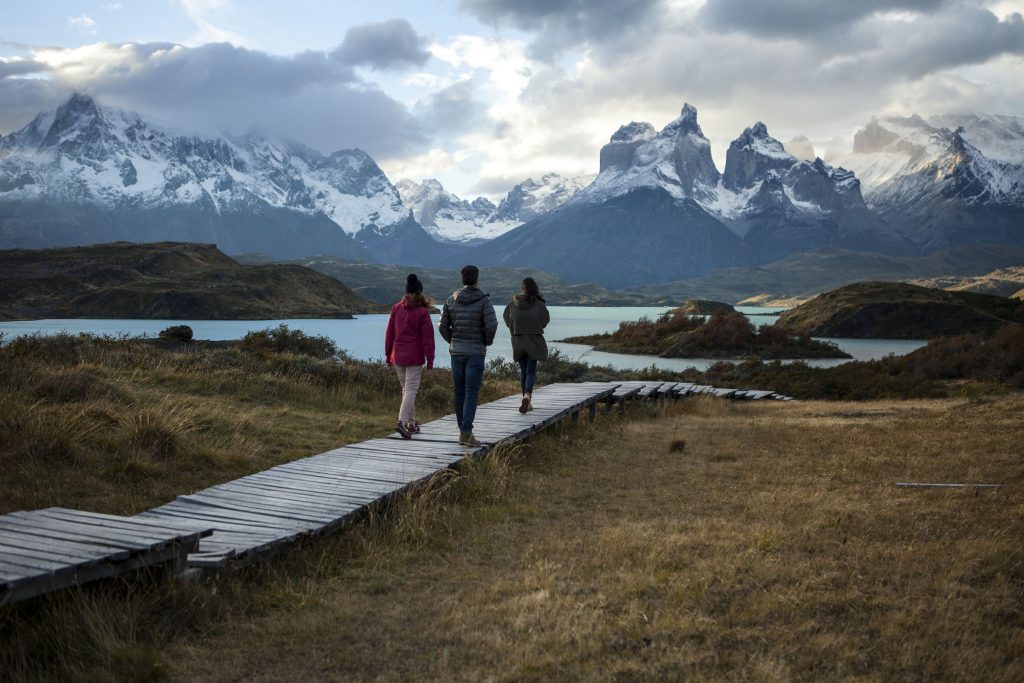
(88, 173)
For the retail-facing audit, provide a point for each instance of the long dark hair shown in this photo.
(531, 292)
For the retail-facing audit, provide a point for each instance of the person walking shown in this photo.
(526, 317)
(408, 343)
(468, 324)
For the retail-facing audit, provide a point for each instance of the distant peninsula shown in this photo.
(898, 310)
(165, 280)
(684, 333)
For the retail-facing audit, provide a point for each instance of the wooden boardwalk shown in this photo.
(241, 520)
(49, 549)
(259, 513)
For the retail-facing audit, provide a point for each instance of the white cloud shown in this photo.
(83, 22)
(434, 163)
(211, 18)
(112, 6)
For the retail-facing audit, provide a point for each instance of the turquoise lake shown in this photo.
(363, 337)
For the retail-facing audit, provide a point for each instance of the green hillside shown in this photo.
(896, 310)
(164, 280)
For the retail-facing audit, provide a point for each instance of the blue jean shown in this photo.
(527, 374)
(468, 374)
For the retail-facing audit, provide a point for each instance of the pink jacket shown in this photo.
(409, 339)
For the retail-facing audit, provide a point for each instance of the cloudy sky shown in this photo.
(484, 93)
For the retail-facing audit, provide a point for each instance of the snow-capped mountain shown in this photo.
(661, 210)
(638, 221)
(451, 219)
(447, 217)
(531, 198)
(941, 187)
(87, 173)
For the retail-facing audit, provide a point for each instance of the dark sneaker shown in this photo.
(403, 430)
(524, 406)
(414, 427)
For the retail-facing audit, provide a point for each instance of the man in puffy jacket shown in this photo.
(468, 324)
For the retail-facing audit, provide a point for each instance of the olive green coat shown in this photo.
(526, 321)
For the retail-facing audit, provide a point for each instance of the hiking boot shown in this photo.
(467, 439)
(403, 430)
(528, 400)
(525, 405)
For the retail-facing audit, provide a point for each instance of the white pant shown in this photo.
(409, 377)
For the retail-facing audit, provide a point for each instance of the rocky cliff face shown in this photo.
(621, 149)
(85, 173)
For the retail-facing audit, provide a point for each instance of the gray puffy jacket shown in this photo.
(468, 322)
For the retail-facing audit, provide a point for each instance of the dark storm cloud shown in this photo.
(164, 72)
(22, 98)
(454, 110)
(566, 24)
(309, 96)
(386, 45)
(796, 18)
(797, 86)
(20, 67)
(964, 35)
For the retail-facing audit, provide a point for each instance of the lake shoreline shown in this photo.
(362, 336)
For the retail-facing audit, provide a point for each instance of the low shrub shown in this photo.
(281, 339)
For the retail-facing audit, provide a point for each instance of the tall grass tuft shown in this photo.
(39, 433)
(157, 430)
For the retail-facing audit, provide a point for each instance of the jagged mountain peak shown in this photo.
(686, 123)
(751, 155)
(634, 130)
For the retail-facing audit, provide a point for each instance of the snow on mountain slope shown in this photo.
(447, 217)
(998, 136)
(678, 160)
(891, 146)
(660, 210)
(451, 219)
(91, 157)
(942, 190)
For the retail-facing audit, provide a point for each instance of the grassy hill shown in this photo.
(891, 310)
(164, 280)
(1001, 282)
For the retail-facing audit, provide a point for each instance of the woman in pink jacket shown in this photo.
(408, 343)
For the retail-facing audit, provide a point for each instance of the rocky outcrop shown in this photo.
(621, 149)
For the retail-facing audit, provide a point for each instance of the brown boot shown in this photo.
(525, 405)
(467, 439)
(528, 399)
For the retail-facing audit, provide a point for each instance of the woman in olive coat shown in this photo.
(527, 316)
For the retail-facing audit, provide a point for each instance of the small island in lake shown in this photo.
(685, 333)
(165, 280)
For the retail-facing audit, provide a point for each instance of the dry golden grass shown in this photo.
(774, 547)
(714, 541)
(120, 427)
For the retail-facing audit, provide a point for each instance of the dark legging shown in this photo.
(527, 374)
